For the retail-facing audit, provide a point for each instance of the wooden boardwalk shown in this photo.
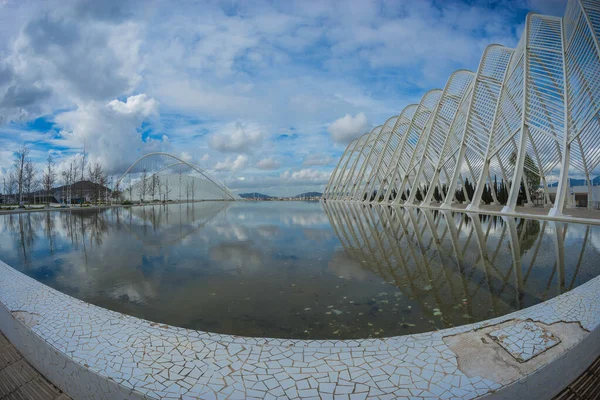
(19, 380)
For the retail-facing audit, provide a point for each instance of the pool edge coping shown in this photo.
(580, 305)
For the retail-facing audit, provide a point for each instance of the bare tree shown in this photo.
(116, 193)
(74, 174)
(187, 191)
(12, 185)
(193, 188)
(66, 180)
(159, 185)
(29, 178)
(143, 188)
(36, 187)
(21, 157)
(98, 179)
(167, 190)
(49, 178)
(153, 184)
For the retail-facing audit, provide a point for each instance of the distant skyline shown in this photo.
(263, 95)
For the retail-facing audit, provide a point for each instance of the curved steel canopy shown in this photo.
(227, 194)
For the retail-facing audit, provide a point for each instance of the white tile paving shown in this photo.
(159, 361)
(524, 340)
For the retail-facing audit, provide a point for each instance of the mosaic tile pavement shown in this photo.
(524, 340)
(142, 358)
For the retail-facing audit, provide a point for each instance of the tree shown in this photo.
(49, 178)
(21, 157)
(74, 174)
(159, 186)
(98, 179)
(167, 190)
(531, 175)
(143, 186)
(29, 178)
(66, 178)
(153, 186)
(193, 188)
(12, 185)
(179, 187)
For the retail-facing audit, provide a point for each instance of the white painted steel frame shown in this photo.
(158, 162)
(533, 111)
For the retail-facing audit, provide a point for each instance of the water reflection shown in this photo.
(302, 270)
(464, 267)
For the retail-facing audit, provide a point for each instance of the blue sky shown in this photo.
(264, 95)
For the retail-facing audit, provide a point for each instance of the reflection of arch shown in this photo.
(164, 162)
(439, 258)
(207, 212)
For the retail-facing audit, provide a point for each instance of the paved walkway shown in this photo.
(19, 380)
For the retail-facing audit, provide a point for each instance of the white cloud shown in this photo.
(347, 128)
(232, 164)
(236, 137)
(318, 159)
(306, 175)
(139, 105)
(268, 164)
(286, 69)
(185, 156)
(110, 132)
(71, 54)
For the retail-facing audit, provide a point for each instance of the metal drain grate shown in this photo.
(585, 387)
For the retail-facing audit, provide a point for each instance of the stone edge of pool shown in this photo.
(91, 352)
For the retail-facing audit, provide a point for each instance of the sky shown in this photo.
(264, 95)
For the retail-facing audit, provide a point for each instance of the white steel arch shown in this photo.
(514, 133)
(479, 119)
(426, 156)
(158, 169)
(340, 171)
(380, 182)
(410, 142)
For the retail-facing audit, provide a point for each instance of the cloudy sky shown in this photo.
(264, 95)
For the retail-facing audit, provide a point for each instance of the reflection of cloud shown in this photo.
(305, 219)
(239, 257)
(131, 292)
(343, 265)
(233, 231)
(268, 231)
(318, 235)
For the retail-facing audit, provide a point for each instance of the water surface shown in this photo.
(301, 270)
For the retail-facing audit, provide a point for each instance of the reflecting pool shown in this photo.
(301, 270)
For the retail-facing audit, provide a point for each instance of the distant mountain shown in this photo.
(308, 194)
(578, 182)
(254, 195)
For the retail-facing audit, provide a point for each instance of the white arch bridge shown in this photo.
(162, 176)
